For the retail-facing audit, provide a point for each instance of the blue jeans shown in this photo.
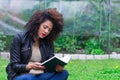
(45, 76)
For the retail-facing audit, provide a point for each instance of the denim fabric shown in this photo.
(45, 76)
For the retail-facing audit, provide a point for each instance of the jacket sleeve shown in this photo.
(15, 57)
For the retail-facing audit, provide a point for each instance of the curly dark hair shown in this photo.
(42, 15)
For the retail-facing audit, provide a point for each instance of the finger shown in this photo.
(38, 64)
(38, 67)
(43, 67)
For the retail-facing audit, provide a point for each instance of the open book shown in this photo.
(51, 63)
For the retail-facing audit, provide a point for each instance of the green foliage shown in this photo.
(93, 47)
(2, 41)
(93, 21)
(5, 42)
(8, 42)
(66, 43)
(97, 51)
(116, 50)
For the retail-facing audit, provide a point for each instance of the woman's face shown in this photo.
(45, 29)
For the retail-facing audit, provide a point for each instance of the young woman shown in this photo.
(30, 48)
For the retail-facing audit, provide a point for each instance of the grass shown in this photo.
(3, 64)
(84, 69)
(94, 69)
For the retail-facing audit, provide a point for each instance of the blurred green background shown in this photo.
(91, 26)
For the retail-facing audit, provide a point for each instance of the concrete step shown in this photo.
(6, 55)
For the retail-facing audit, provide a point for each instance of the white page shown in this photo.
(66, 58)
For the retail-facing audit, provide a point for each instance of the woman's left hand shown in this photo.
(59, 68)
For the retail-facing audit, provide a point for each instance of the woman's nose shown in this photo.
(46, 30)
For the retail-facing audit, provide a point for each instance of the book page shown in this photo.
(66, 58)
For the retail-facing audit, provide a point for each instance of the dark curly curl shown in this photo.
(42, 15)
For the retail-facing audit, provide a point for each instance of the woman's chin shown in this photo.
(42, 37)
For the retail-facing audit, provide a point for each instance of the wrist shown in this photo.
(28, 67)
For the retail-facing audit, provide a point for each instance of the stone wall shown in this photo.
(5, 55)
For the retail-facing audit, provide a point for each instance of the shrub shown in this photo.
(66, 44)
(2, 41)
(8, 42)
(93, 47)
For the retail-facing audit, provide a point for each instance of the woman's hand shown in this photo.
(59, 68)
(34, 65)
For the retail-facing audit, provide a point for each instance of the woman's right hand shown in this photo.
(34, 65)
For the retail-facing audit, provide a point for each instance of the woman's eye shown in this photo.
(44, 27)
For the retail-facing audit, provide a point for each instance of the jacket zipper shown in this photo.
(30, 53)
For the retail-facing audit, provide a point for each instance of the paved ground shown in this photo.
(114, 55)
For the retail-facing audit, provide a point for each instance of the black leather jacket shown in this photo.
(20, 53)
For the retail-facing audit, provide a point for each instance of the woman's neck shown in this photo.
(36, 42)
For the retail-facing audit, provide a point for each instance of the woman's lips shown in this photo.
(43, 34)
